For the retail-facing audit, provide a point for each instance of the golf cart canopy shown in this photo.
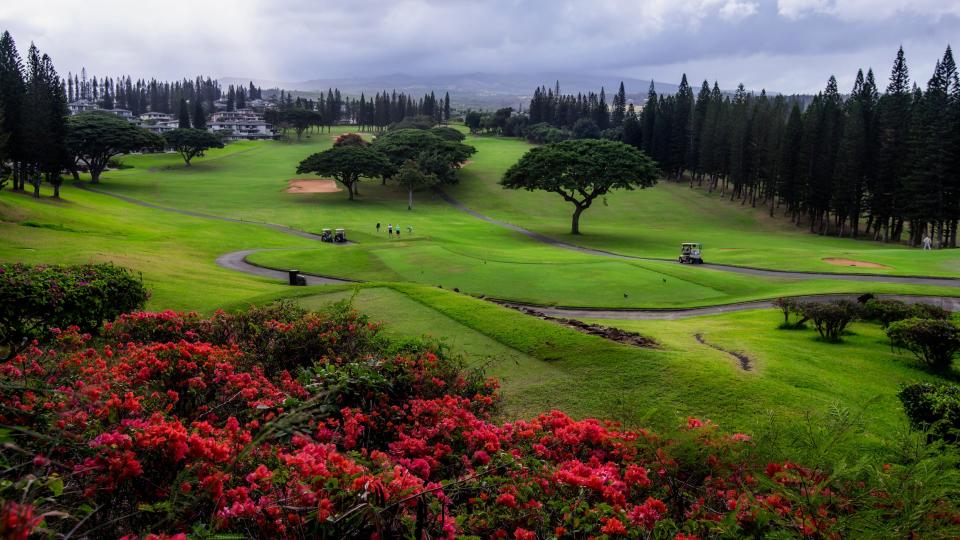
(697, 245)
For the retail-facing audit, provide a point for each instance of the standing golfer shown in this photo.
(927, 243)
(389, 229)
(378, 226)
(409, 229)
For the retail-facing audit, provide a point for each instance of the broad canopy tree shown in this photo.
(346, 164)
(93, 138)
(434, 155)
(191, 143)
(580, 171)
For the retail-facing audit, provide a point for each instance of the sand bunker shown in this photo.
(858, 264)
(318, 185)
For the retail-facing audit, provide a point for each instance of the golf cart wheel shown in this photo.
(680, 259)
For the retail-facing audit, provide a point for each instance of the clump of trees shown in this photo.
(380, 112)
(415, 158)
(36, 298)
(581, 171)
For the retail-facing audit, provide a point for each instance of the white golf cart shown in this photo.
(690, 253)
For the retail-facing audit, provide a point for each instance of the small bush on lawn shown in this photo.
(887, 312)
(34, 299)
(934, 342)
(277, 423)
(933, 407)
(790, 307)
(831, 318)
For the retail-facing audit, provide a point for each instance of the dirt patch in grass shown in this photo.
(467, 162)
(858, 264)
(607, 332)
(745, 363)
(313, 185)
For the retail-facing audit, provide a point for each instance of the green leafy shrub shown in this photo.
(790, 307)
(544, 133)
(934, 342)
(831, 318)
(934, 407)
(887, 312)
(34, 299)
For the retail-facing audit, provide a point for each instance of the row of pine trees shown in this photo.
(33, 113)
(140, 96)
(878, 163)
(378, 112)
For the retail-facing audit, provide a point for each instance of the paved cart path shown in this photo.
(237, 261)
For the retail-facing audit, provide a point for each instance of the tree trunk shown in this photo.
(575, 226)
(95, 175)
(350, 190)
(410, 199)
(56, 190)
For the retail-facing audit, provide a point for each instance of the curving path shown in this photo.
(237, 261)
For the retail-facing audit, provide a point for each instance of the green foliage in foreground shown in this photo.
(34, 299)
(934, 407)
(934, 342)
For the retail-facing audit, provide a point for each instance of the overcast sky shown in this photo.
(783, 45)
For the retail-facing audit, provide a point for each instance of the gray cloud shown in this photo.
(788, 45)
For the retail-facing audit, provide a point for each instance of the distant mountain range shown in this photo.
(478, 90)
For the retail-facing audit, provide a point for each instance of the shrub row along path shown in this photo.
(237, 261)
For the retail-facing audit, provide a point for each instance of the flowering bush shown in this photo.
(284, 424)
(34, 299)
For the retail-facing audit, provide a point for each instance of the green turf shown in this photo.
(653, 223)
(792, 372)
(174, 253)
(451, 248)
(542, 364)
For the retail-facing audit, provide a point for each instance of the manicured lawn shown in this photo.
(792, 373)
(653, 223)
(542, 365)
(174, 253)
(451, 248)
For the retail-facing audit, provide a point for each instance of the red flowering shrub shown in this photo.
(283, 424)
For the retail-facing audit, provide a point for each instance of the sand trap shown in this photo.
(318, 185)
(858, 264)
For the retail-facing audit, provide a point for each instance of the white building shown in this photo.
(155, 116)
(82, 105)
(162, 126)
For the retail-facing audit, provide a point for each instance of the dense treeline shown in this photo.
(885, 165)
(377, 112)
(33, 107)
(140, 95)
